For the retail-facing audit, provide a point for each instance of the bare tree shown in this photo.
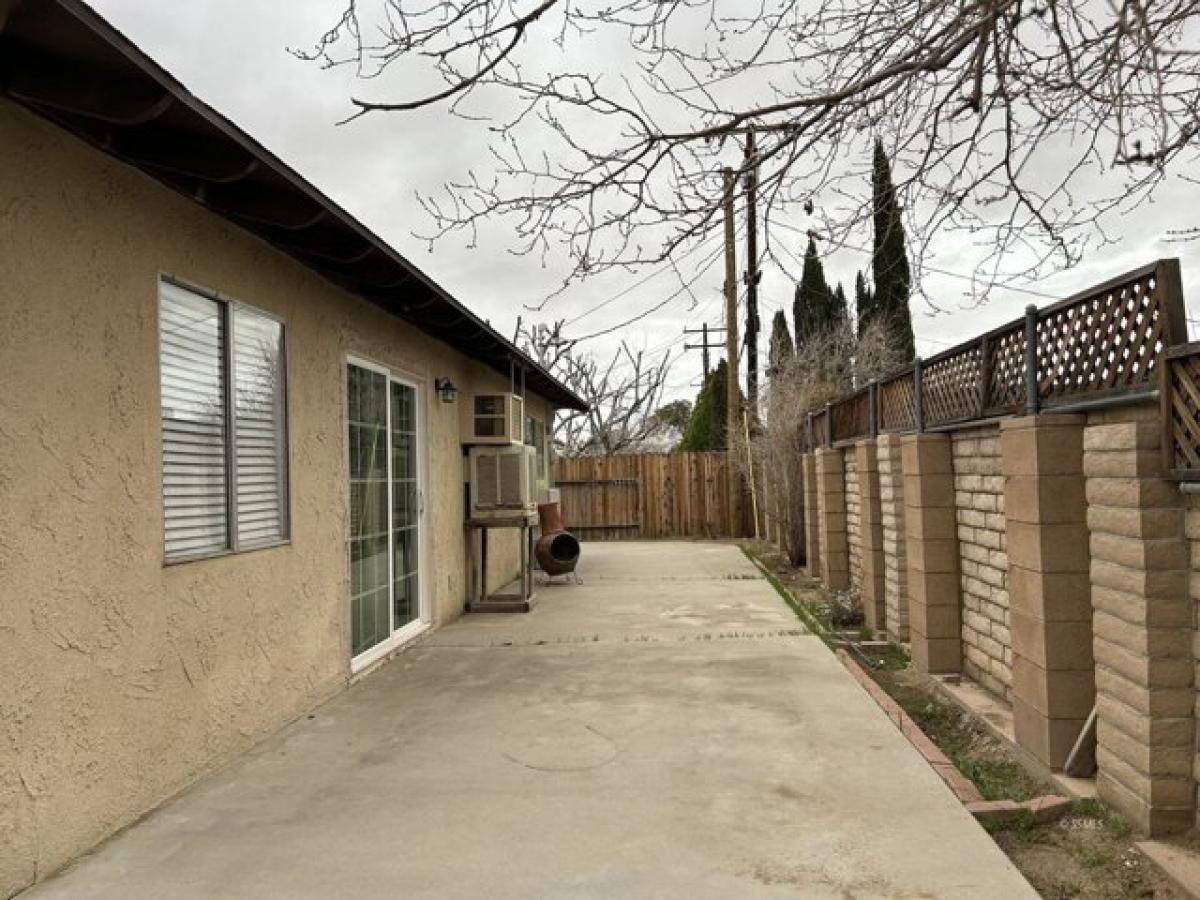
(623, 393)
(1026, 122)
(820, 370)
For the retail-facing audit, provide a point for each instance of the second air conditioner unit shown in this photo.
(493, 419)
(502, 481)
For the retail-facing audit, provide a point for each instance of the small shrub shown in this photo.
(996, 779)
(845, 610)
(1090, 857)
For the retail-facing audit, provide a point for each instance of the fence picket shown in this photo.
(648, 496)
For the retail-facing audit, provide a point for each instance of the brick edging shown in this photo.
(1044, 808)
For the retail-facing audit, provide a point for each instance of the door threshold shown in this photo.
(369, 660)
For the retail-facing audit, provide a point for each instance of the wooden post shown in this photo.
(752, 324)
(733, 406)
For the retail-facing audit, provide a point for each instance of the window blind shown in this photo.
(223, 420)
(195, 487)
(260, 453)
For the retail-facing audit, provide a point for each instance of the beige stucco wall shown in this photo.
(121, 679)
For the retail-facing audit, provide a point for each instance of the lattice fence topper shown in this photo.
(1005, 370)
(1108, 341)
(1181, 412)
(897, 403)
(1105, 341)
(950, 385)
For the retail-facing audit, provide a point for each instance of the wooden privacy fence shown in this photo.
(650, 495)
(1105, 342)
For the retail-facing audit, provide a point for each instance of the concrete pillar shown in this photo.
(1053, 674)
(1141, 625)
(895, 554)
(835, 549)
(812, 515)
(870, 525)
(935, 624)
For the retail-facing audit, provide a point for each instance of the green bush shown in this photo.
(706, 427)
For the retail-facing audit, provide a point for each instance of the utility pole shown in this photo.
(733, 408)
(733, 412)
(704, 345)
(752, 276)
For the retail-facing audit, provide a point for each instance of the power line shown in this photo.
(928, 268)
(673, 266)
(705, 266)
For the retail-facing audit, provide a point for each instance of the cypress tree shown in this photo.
(780, 349)
(706, 427)
(840, 310)
(864, 301)
(814, 308)
(889, 260)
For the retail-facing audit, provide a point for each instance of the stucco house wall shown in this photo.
(123, 679)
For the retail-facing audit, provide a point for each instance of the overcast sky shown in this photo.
(233, 55)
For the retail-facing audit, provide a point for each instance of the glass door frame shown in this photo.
(424, 619)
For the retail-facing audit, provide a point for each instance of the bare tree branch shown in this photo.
(623, 394)
(1025, 123)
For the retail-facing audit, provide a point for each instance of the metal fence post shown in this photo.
(918, 396)
(829, 425)
(1031, 374)
(873, 408)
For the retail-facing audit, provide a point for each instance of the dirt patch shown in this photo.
(1088, 854)
(987, 761)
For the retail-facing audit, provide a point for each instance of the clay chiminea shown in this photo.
(557, 550)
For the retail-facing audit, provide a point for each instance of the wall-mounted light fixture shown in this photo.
(446, 389)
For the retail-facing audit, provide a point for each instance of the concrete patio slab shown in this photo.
(674, 737)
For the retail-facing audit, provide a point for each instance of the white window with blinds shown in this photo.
(224, 426)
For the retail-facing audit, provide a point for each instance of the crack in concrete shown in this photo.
(635, 638)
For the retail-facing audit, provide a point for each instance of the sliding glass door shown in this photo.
(386, 502)
(406, 506)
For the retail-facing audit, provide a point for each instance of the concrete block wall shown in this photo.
(870, 533)
(1053, 687)
(831, 484)
(1143, 618)
(935, 623)
(812, 515)
(822, 534)
(1058, 539)
(895, 557)
(983, 560)
(1192, 532)
(854, 536)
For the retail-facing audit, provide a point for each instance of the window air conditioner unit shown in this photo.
(493, 419)
(502, 481)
